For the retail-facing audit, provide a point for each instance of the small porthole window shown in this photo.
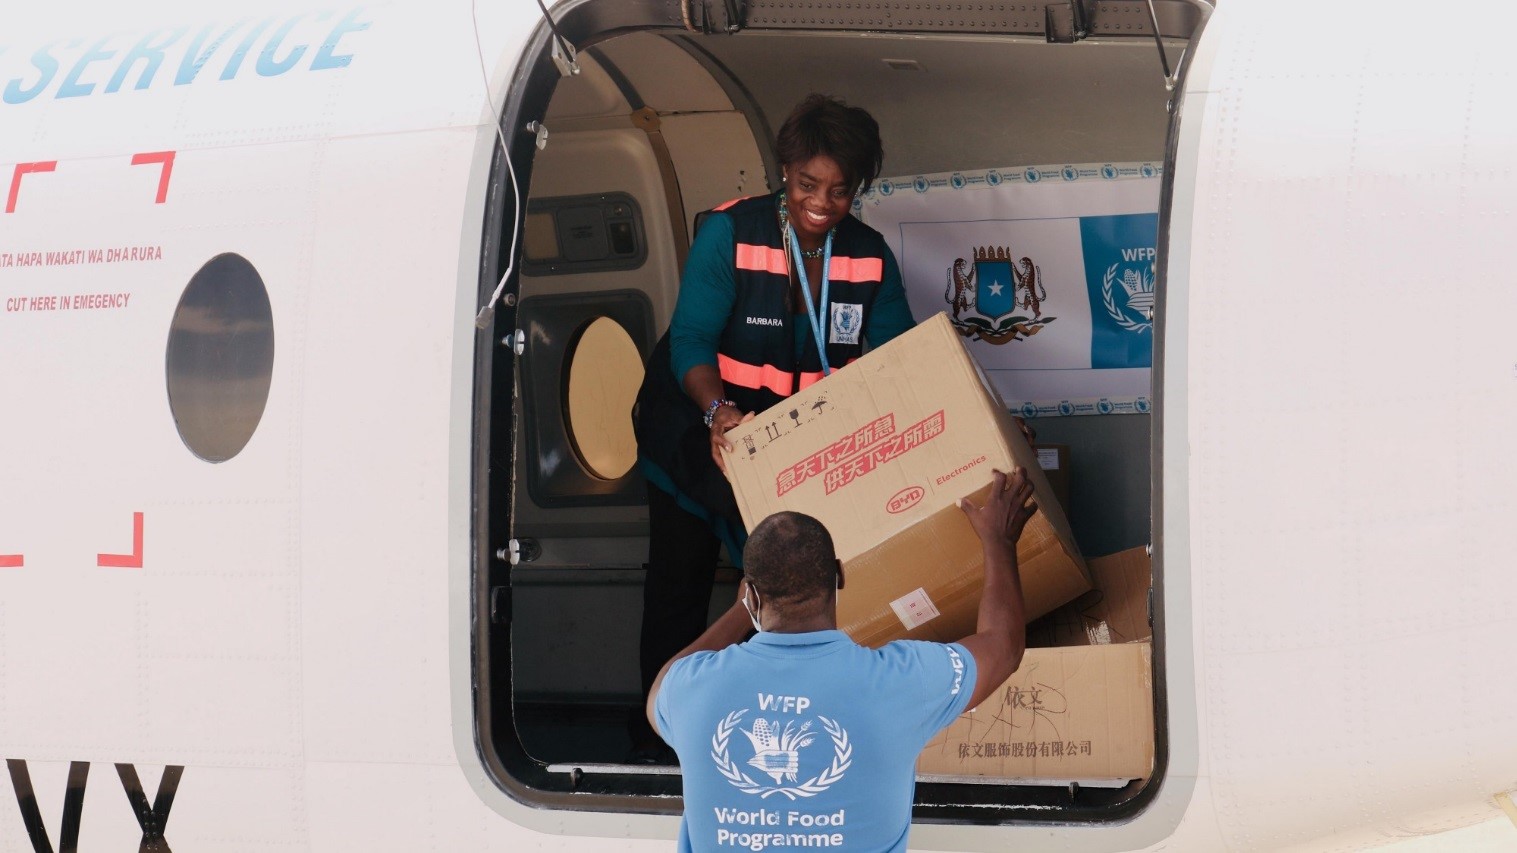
(220, 358)
(604, 370)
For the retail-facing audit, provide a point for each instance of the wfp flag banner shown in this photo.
(1048, 271)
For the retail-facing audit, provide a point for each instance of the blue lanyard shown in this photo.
(812, 314)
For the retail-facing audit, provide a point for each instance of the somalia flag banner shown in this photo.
(1048, 272)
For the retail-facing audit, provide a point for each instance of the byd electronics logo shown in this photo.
(905, 499)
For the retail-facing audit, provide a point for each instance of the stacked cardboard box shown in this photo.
(1080, 707)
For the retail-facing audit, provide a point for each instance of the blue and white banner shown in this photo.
(1047, 270)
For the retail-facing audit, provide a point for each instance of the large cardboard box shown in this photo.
(1080, 711)
(881, 452)
(1072, 713)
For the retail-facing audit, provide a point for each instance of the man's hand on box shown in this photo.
(725, 418)
(1006, 511)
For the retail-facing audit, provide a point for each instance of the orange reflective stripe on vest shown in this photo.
(856, 269)
(753, 376)
(761, 259)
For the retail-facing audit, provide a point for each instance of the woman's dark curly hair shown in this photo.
(824, 125)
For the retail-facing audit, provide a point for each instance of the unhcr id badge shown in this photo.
(847, 321)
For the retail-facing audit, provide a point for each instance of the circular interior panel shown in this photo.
(604, 371)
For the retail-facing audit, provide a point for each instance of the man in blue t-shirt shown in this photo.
(801, 738)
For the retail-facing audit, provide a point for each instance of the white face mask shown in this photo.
(753, 609)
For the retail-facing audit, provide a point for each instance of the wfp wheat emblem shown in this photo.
(1128, 295)
(991, 299)
(777, 754)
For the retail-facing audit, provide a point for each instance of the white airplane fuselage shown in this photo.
(294, 627)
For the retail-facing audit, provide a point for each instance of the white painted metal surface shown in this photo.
(1336, 579)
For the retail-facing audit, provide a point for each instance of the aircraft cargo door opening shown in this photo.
(1022, 197)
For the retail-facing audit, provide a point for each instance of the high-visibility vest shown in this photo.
(756, 353)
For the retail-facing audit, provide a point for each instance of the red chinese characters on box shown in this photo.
(854, 467)
(860, 452)
(834, 453)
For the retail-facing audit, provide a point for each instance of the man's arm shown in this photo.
(1001, 633)
(729, 628)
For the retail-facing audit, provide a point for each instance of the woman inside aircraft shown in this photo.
(778, 291)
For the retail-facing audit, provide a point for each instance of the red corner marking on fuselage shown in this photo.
(126, 561)
(21, 170)
(12, 561)
(167, 159)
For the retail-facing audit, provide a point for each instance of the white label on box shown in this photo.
(1048, 458)
(914, 608)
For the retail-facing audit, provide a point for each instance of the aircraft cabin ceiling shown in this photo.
(944, 103)
(954, 86)
(948, 103)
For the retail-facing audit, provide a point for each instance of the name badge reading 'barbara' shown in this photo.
(847, 322)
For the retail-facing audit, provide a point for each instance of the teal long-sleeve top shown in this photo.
(708, 290)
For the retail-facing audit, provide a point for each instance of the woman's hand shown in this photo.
(1027, 430)
(725, 418)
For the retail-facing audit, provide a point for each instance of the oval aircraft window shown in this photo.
(604, 370)
(220, 358)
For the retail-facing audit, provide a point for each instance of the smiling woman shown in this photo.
(779, 290)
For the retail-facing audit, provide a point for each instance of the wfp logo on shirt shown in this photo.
(780, 752)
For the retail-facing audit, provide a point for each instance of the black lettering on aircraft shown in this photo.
(153, 819)
(31, 815)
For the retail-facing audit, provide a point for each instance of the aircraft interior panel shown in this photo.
(590, 94)
(581, 580)
(717, 160)
(663, 75)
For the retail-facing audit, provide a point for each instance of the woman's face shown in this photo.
(816, 196)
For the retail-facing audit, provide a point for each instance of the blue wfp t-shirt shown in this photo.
(807, 740)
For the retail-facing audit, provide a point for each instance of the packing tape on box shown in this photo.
(1504, 800)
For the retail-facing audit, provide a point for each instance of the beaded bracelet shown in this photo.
(716, 404)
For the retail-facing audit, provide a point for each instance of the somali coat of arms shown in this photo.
(998, 298)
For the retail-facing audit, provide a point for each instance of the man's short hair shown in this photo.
(789, 557)
(849, 135)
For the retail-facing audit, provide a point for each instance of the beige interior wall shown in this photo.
(584, 162)
(664, 76)
(717, 159)
(593, 147)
